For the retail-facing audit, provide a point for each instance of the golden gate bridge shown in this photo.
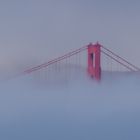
(94, 59)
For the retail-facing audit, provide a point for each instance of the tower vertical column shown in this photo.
(94, 65)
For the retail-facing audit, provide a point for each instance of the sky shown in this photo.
(33, 31)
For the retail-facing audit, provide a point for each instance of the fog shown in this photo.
(71, 108)
(67, 104)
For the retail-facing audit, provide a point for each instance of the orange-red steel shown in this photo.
(94, 65)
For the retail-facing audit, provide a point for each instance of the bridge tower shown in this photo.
(94, 65)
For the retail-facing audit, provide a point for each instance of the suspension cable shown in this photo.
(55, 60)
(121, 58)
(117, 60)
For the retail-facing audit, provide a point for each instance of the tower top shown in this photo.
(94, 45)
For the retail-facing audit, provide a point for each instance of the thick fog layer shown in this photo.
(77, 108)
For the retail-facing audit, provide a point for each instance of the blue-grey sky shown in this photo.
(42, 29)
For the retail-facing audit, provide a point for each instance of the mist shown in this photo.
(73, 106)
(63, 102)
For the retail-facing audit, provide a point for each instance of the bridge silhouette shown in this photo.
(94, 59)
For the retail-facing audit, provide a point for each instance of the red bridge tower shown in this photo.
(94, 66)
